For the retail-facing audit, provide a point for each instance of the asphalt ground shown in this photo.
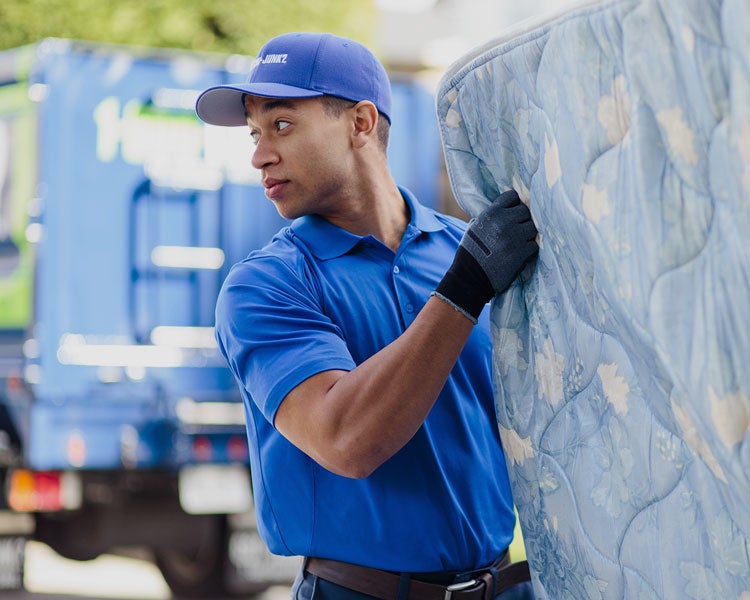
(48, 576)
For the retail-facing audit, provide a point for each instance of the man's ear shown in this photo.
(365, 122)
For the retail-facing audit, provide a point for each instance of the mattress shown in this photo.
(622, 357)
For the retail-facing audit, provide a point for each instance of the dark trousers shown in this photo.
(311, 587)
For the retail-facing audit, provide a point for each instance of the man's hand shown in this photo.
(496, 246)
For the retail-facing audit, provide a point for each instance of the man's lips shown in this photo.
(274, 186)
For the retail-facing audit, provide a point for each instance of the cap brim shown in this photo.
(222, 104)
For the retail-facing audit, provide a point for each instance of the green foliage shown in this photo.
(228, 26)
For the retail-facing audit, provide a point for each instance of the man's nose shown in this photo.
(264, 154)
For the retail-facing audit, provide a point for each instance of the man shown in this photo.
(373, 440)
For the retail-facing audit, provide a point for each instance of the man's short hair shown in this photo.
(335, 106)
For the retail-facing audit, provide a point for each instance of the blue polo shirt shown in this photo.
(318, 298)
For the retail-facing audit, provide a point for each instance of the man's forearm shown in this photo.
(354, 421)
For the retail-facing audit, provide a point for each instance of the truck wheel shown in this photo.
(197, 572)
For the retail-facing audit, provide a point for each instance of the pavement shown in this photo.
(48, 576)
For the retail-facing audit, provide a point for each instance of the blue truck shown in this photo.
(120, 215)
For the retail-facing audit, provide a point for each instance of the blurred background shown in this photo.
(406, 34)
(123, 461)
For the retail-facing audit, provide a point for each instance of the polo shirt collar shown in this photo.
(326, 240)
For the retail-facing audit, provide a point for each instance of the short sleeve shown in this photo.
(273, 332)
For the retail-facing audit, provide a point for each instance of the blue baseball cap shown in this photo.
(302, 65)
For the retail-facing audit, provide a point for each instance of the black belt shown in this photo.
(483, 584)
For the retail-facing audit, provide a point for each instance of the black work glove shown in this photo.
(493, 251)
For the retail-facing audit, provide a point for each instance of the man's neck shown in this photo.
(380, 211)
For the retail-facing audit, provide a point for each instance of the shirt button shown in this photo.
(396, 270)
(409, 308)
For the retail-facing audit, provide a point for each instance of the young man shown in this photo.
(366, 378)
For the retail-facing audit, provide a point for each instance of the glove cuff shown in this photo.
(455, 306)
(465, 285)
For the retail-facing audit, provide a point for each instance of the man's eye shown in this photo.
(281, 125)
(254, 137)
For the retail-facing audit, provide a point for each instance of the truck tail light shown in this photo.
(13, 383)
(44, 491)
(237, 448)
(207, 448)
(202, 448)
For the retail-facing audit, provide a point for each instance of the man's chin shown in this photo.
(286, 211)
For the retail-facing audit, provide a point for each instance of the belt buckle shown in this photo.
(458, 588)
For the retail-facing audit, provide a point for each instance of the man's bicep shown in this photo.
(304, 409)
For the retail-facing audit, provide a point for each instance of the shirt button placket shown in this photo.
(407, 307)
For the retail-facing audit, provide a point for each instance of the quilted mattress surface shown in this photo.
(622, 359)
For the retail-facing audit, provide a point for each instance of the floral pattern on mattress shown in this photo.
(622, 359)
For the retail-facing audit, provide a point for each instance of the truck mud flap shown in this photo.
(12, 550)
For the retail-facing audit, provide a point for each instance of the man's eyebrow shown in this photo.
(267, 107)
(280, 103)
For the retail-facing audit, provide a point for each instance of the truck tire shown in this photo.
(197, 572)
(204, 570)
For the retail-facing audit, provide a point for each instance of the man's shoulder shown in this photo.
(281, 255)
(278, 270)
